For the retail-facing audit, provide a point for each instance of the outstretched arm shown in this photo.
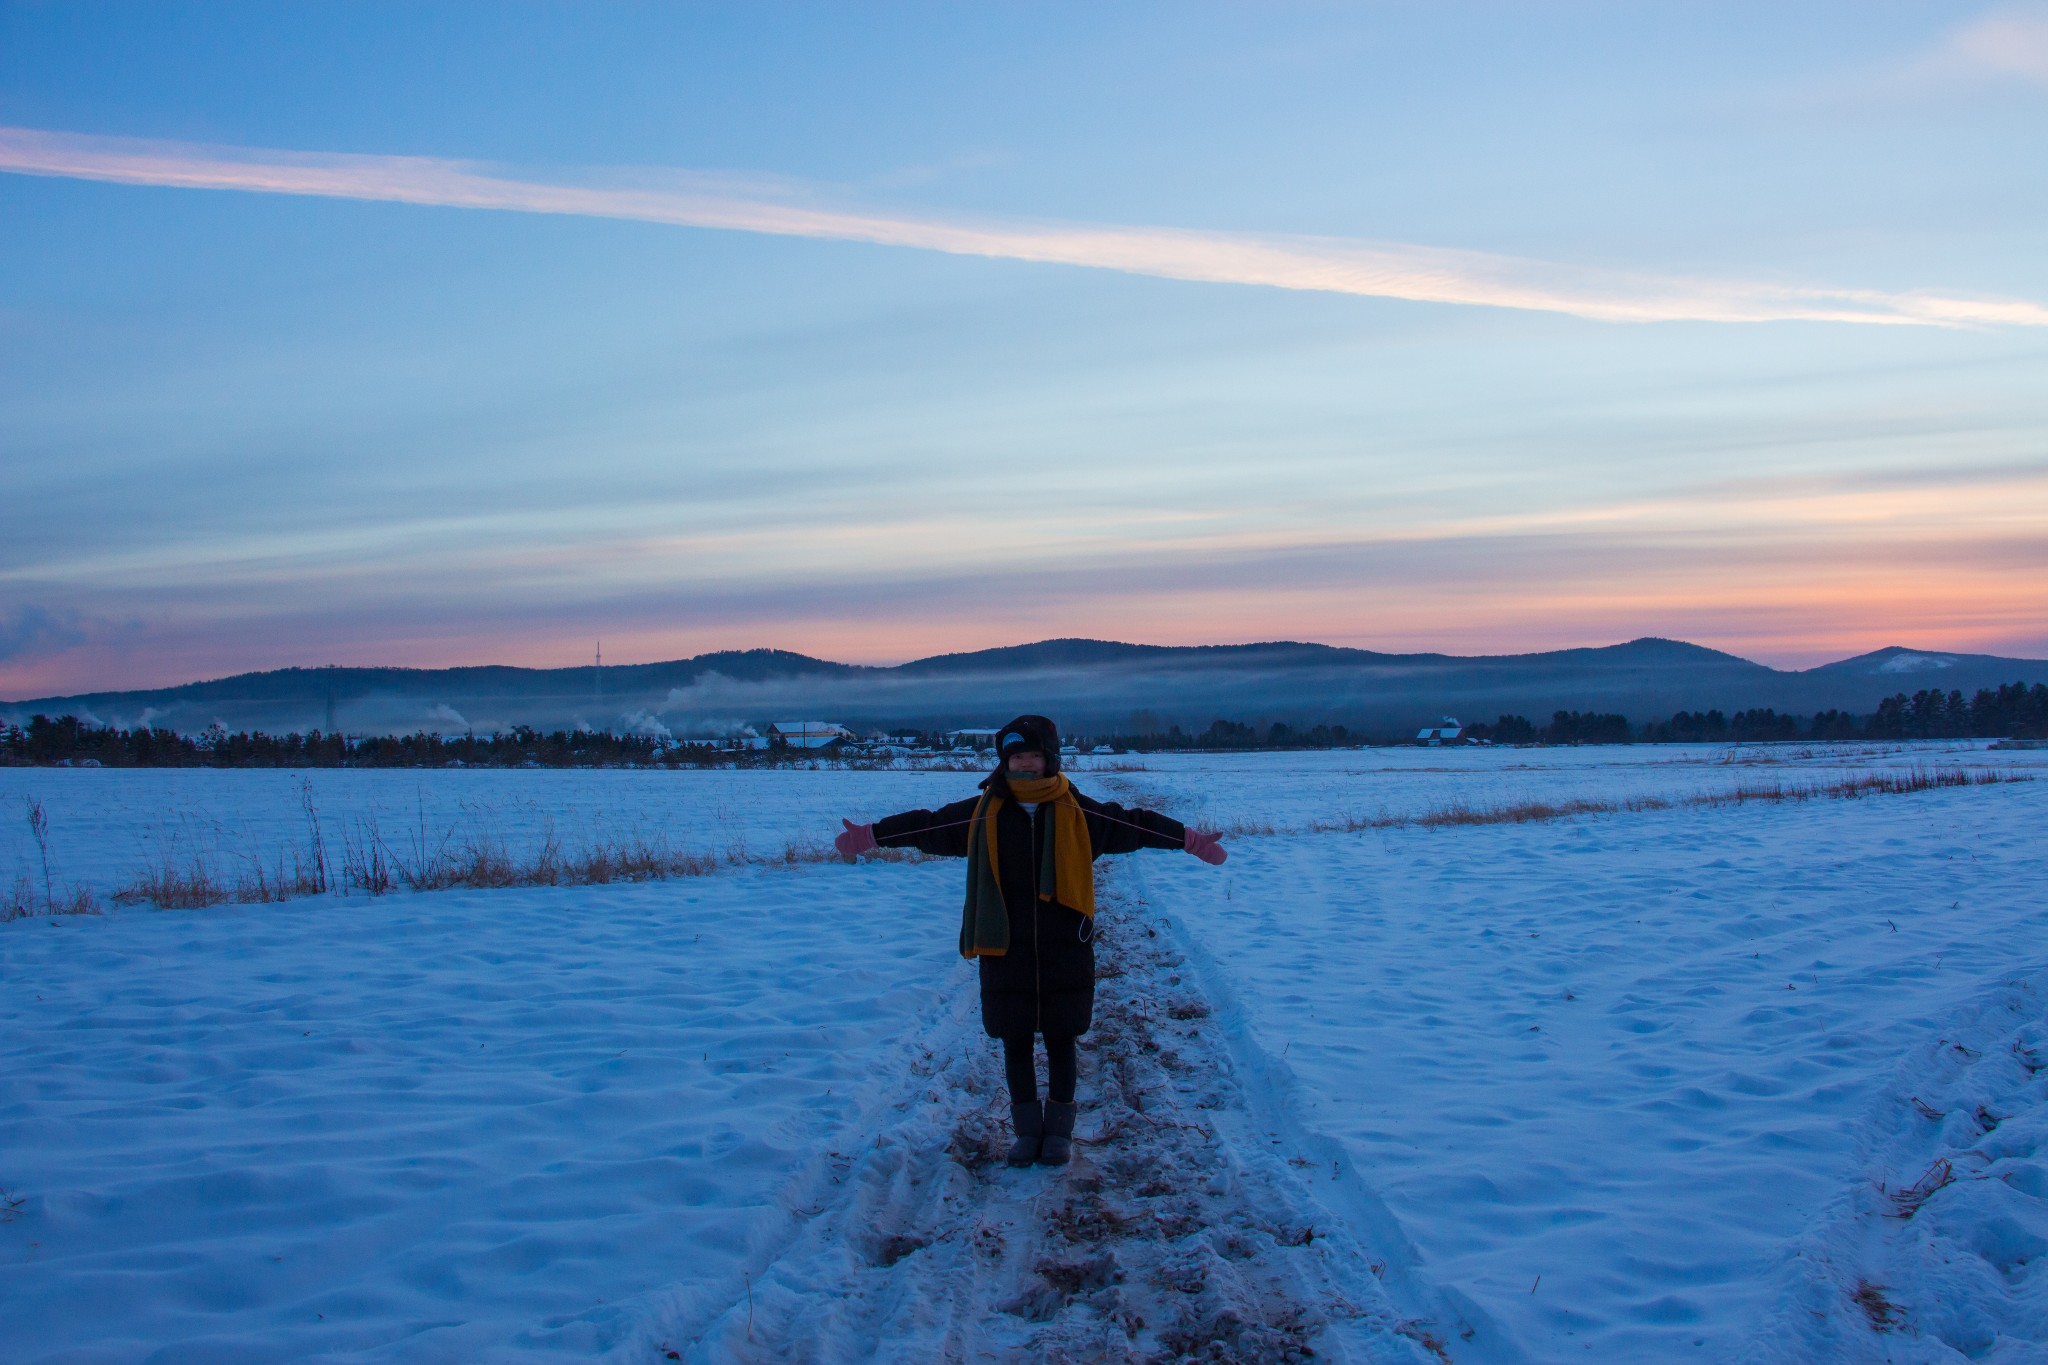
(1126, 829)
(942, 833)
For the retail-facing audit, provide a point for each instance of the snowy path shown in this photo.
(1182, 1227)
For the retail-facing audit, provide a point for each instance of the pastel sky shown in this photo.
(433, 333)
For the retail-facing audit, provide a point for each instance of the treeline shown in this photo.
(1231, 734)
(1686, 727)
(2015, 710)
(45, 742)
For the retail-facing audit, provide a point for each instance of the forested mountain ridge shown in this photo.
(1094, 684)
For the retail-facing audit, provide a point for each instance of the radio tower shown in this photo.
(597, 675)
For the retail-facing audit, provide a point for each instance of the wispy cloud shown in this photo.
(1995, 50)
(28, 632)
(2009, 43)
(32, 633)
(1321, 264)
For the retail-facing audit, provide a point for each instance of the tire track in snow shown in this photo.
(1179, 1233)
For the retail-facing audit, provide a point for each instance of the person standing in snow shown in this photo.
(1031, 841)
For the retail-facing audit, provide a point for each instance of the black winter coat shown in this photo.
(1045, 983)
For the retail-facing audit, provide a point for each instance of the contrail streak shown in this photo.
(1322, 264)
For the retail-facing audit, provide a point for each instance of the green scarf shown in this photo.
(1067, 864)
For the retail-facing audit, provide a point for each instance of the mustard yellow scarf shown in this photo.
(1067, 866)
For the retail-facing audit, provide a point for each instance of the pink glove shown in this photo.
(856, 840)
(1207, 847)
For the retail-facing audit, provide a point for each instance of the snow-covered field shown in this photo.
(107, 826)
(1651, 1085)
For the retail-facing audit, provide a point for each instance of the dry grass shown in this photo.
(192, 880)
(21, 901)
(1531, 812)
(376, 864)
(1461, 813)
(1908, 1201)
(1865, 784)
(195, 882)
(168, 886)
(1882, 1312)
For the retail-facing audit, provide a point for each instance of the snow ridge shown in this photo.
(1939, 1253)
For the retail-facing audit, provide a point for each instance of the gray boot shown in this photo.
(1058, 1148)
(1029, 1121)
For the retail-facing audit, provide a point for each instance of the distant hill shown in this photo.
(1084, 684)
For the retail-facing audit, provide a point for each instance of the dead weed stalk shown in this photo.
(1908, 1201)
(20, 902)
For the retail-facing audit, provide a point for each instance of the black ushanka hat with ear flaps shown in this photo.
(1029, 732)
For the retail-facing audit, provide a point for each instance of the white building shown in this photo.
(973, 738)
(808, 734)
(1445, 733)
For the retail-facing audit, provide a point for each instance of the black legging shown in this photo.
(1020, 1069)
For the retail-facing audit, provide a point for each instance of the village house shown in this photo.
(1447, 732)
(807, 734)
